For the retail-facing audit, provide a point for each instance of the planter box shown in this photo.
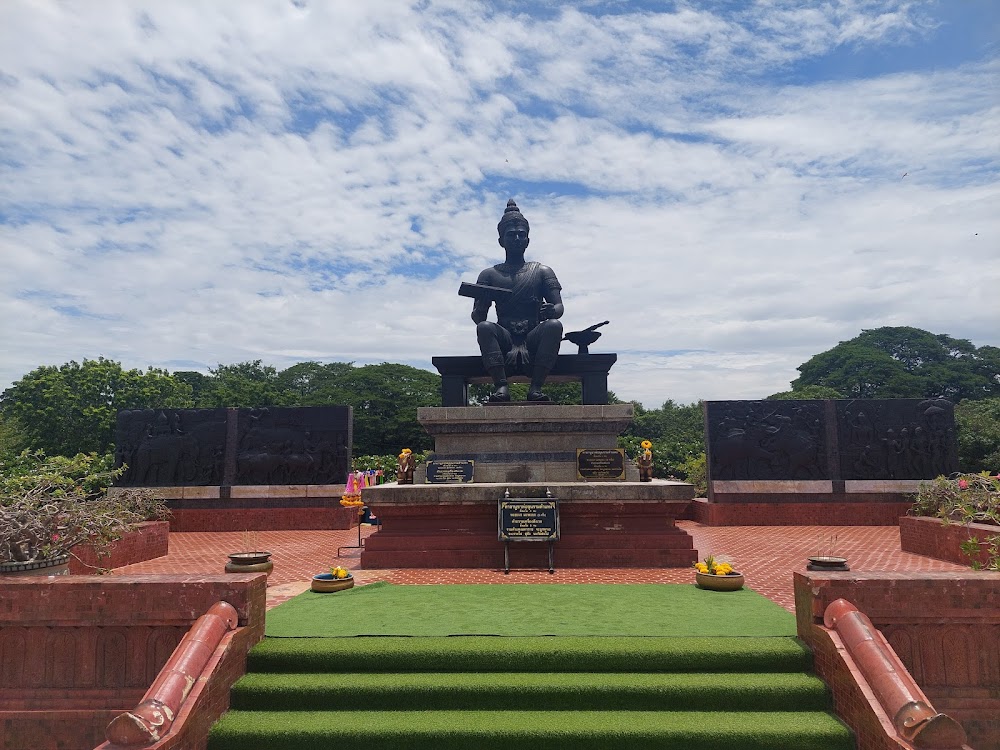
(930, 537)
(146, 542)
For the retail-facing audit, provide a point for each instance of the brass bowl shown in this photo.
(325, 583)
(719, 583)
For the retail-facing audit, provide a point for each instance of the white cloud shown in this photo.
(288, 181)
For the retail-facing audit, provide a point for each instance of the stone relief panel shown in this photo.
(766, 440)
(871, 439)
(209, 447)
(278, 445)
(896, 438)
(171, 447)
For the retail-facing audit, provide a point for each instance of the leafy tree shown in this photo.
(247, 385)
(903, 362)
(806, 392)
(676, 431)
(978, 434)
(12, 440)
(560, 393)
(858, 371)
(72, 408)
(201, 387)
(385, 398)
(316, 384)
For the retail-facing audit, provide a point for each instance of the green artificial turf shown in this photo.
(530, 654)
(529, 610)
(585, 666)
(530, 690)
(539, 730)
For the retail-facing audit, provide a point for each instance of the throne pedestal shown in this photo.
(526, 450)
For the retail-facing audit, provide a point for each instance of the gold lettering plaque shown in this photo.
(600, 463)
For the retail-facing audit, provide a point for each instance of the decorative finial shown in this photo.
(510, 215)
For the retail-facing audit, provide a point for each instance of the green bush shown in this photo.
(386, 463)
(965, 498)
(50, 504)
(695, 470)
(670, 459)
(962, 498)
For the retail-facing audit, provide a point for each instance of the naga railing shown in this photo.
(152, 718)
(912, 715)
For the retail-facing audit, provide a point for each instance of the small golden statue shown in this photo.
(645, 462)
(405, 465)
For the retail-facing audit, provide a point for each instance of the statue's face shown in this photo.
(515, 238)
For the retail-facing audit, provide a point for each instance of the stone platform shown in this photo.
(603, 525)
(824, 502)
(255, 507)
(524, 443)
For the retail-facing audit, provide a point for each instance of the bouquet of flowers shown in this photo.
(713, 567)
(352, 491)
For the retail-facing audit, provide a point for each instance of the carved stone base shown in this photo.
(525, 443)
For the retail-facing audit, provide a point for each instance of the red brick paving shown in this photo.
(766, 555)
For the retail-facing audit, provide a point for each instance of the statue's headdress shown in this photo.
(510, 215)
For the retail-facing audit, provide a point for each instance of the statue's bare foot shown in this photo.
(500, 394)
(537, 396)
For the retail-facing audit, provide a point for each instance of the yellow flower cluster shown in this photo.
(646, 445)
(711, 567)
(339, 572)
(351, 501)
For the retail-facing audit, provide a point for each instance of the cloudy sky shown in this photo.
(736, 186)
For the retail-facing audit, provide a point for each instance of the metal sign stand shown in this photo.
(505, 533)
(359, 545)
(506, 558)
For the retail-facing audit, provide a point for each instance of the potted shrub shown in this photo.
(971, 500)
(717, 575)
(50, 504)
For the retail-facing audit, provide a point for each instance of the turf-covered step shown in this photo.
(530, 654)
(565, 691)
(538, 730)
(526, 610)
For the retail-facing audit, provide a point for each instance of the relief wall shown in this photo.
(890, 439)
(219, 447)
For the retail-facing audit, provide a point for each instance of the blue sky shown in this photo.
(736, 186)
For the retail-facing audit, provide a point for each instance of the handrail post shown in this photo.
(156, 712)
(914, 718)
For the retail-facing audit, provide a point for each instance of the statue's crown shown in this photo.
(511, 214)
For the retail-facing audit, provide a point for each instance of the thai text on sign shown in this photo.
(528, 520)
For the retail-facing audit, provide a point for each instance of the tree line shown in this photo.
(71, 408)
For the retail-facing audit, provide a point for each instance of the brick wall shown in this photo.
(797, 514)
(931, 537)
(76, 650)
(261, 519)
(148, 541)
(945, 628)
